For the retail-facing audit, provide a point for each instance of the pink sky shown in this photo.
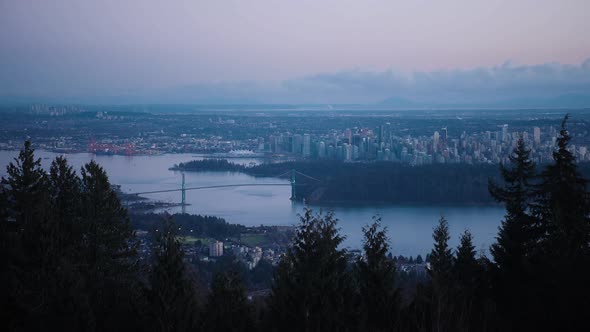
(78, 46)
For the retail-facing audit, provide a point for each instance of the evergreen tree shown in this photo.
(516, 232)
(562, 202)
(466, 277)
(562, 259)
(8, 314)
(25, 277)
(26, 187)
(227, 307)
(517, 237)
(65, 205)
(311, 289)
(3, 208)
(375, 273)
(68, 299)
(109, 252)
(419, 259)
(441, 266)
(172, 297)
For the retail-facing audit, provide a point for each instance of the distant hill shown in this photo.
(572, 100)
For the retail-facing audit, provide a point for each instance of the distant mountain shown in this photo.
(571, 100)
(400, 102)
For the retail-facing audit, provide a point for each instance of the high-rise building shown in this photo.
(435, 140)
(357, 139)
(505, 136)
(216, 249)
(537, 135)
(297, 144)
(306, 145)
(347, 152)
(443, 135)
(331, 152)
(340, 152)
(260, 144)
(321, 150)
(387, 133)
(347, 136)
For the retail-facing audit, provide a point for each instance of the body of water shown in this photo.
(410, 227)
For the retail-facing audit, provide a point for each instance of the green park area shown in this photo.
(191, 240)
(254, 239)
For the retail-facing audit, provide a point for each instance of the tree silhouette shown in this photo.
(517, 237)
(466, 283)
(375, 274)
(562, 257)
(311, 289)
(26, 187)
(171, 297)
(109, 250)
(441, 268)
(227, 307)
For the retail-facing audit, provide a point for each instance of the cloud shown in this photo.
(504, 85)
(482, 85)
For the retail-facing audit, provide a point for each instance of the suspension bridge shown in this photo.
(292, 174)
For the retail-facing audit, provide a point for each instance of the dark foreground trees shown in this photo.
(312, 289)
(375, 274)
(227, 307)
(172, 299)
(542, 253)
(69, 262)
(561, 255)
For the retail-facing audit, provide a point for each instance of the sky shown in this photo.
(279, 51)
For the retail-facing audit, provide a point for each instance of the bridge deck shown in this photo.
(212, 187)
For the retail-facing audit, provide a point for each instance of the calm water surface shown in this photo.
(410, 227)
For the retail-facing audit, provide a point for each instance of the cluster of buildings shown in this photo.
(415, 141)
(250, 256)
(383, 144)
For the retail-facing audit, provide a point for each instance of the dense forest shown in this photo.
(376, 182)
(209, 164)
(69, 262)
(208, 226)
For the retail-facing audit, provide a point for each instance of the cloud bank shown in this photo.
(506, 85)
(499, 84)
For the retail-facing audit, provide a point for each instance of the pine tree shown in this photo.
(441, 266)
(109, 252)
(3, 208)
(516, 233)
(26, 187)
(7, 251)
(68, 300)
(311, 289)
(562, 202)
(172, 297)
(375, 274)
(563, 256)
(466, 277)
(419, 259)
(227, 307)
(517, 238)
(65, 201)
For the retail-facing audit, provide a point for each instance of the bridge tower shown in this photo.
(293, 194)
(183, 202)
